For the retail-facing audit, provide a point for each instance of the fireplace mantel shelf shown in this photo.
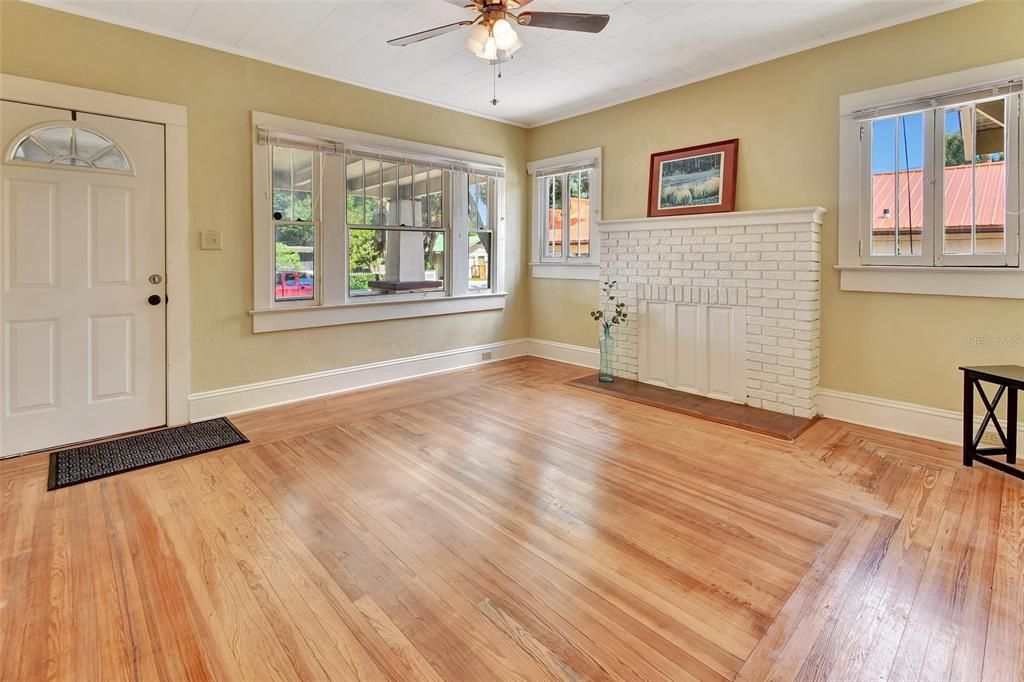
(772, 216)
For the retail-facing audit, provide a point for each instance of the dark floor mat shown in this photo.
(89, 462)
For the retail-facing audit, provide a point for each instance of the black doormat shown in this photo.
(89, 462)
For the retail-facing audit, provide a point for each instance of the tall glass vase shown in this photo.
(606, 343)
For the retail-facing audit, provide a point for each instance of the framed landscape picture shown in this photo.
(699, 179)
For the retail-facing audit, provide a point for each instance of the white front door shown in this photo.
(82, 267)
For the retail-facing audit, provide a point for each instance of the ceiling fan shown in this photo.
(492, 28)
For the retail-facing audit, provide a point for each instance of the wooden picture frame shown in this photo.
(703, 180)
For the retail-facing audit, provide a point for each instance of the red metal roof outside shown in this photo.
(577, 208)
(989, 204)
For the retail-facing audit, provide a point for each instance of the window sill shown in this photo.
(280, 319)
(565, 271)
(980, 282)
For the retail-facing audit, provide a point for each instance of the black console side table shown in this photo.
(1009, 378)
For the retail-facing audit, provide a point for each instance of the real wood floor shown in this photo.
(497, 524)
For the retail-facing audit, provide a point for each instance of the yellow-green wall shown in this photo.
(220, 91)
(785, 113)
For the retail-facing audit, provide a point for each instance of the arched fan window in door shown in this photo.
(70, 146)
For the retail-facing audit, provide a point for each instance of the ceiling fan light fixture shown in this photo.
(516, 46)
(477, 39)
(490, 51)
(504, 36)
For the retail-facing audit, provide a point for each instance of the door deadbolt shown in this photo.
(155, 279)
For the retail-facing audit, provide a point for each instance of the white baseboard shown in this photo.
(236, 399)
(564, 352)
(896, 416)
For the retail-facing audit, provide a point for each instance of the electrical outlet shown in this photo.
(486, 355)
(209, 240)
(991, 438)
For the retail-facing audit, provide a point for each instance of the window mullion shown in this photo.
(459, 234)
(566, 232)
(496, 265)
(974, 180)
(334, 261)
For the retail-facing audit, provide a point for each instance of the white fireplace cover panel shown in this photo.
(694, 347)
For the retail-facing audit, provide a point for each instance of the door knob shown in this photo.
(154, 299)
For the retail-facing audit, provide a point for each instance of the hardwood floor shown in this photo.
(497, 524)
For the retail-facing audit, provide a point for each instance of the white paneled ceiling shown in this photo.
(648, 46)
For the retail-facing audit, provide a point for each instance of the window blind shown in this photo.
(329, 146)
(586, 164)
(946, 99)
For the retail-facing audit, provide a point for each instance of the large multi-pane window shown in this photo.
(360, 225)
(939, 182)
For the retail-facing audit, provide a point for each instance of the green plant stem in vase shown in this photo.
(611, 313)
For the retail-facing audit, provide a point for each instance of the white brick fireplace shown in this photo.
(726, 305)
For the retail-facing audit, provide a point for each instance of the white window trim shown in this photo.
(331, 306)
(949, 280)
(578, 268)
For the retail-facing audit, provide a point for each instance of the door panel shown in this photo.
(111, 356)
(110, 236)
(84, 350)
(31, 235)
(32, 361)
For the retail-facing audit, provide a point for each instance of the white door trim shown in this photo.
(174, 118)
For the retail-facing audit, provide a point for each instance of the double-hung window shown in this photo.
(931, 182)
(566, 208)
(936, 181)
(295, 213)
(351, 227)
(396, 224)
(483, 194)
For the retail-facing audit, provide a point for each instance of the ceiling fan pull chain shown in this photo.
(494, 85)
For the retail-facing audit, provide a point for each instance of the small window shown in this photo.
(567, 215)
(70, 146)
(566, 208)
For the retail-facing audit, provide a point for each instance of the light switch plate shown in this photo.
(209, 240)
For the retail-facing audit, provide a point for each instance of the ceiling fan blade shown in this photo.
(515, 4)
(424, 35)
(564, 21)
